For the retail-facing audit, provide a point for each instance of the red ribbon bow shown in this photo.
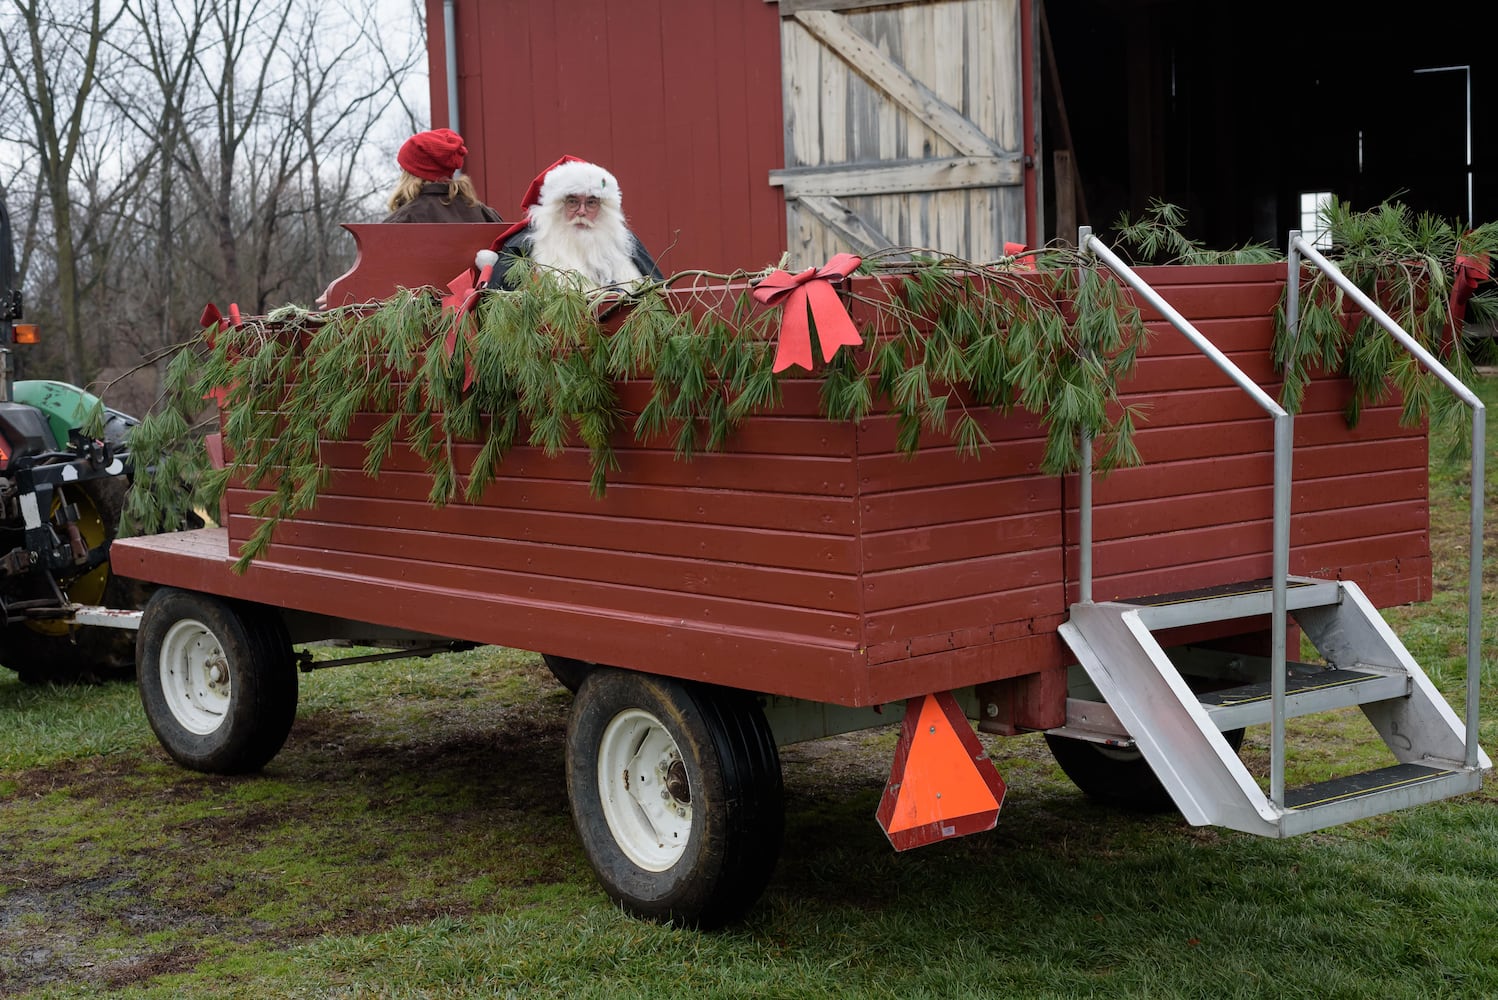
(214, 322)
(810, 298)
(1469, 272)
(1020, 252)
(464, 295)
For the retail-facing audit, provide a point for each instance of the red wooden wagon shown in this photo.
(811, 579)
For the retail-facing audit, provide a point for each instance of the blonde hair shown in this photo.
(409, 186)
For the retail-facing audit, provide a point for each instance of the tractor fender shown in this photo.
(67, 406)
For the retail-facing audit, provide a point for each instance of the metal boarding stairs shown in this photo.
(1180, 732)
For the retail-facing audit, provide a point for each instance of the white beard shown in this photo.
(597, 255)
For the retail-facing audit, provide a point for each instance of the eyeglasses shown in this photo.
(574, 202)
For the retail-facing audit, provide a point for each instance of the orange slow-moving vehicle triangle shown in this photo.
(942, 783)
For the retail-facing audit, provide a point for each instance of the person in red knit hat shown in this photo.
(430, 188)
(574, 228)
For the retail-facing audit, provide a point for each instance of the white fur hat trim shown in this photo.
(580, 178)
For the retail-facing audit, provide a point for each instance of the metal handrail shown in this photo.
(1298, 248)
(1284, 438)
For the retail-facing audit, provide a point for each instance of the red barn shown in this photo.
(741, 128)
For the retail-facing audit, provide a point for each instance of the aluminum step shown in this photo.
(1372, 793)
(1225, 603)
(1309, 688)
(1179, 731)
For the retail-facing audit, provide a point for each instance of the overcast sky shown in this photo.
(400, 21)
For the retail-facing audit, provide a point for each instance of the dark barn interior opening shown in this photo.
(1233, 112)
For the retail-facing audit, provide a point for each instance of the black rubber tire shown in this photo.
(568, 672)
(42, 653)
(229, 722)
(724, 752)
(1114, 777)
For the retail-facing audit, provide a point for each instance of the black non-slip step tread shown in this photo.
(1207, 593)
(1301, 678)
(1366, 783)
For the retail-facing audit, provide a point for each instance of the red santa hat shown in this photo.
(568, 175)
(572, 176)
(434, 155)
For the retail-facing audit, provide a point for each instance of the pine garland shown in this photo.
(1405, 263)
(945, 340)
(951, 339)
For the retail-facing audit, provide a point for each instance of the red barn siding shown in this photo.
(679, 99)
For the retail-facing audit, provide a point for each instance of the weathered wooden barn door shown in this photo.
(904, 126)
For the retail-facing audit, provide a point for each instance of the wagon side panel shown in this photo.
(1199, 512)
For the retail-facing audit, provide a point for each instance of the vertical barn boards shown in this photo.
(907, 124)
(679, 99)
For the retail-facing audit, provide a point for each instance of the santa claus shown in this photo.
(574, 229)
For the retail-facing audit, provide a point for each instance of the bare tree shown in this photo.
(54, 61)
(270, 144)
(339, 117)
(160, 52)
(175, 152)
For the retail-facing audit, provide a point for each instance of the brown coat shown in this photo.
(431, 205)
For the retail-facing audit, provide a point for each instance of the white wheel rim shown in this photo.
(194, 677)
(642, 783)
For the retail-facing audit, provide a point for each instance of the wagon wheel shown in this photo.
(217, 680)
(676, 794)
(1120, 776)
(43, 650)
(1117, 776)
(568, 672)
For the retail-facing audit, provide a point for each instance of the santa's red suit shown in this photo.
(591, 253)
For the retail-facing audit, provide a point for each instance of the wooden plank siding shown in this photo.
(816, 560)
(758, 544)
(903, 127)
(1200, 510)
(679, 99)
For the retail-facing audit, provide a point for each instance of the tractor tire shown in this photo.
(48, 652)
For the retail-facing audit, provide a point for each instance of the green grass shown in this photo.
(49, 725)
(413, 840)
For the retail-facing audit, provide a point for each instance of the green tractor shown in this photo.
(61, 495)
